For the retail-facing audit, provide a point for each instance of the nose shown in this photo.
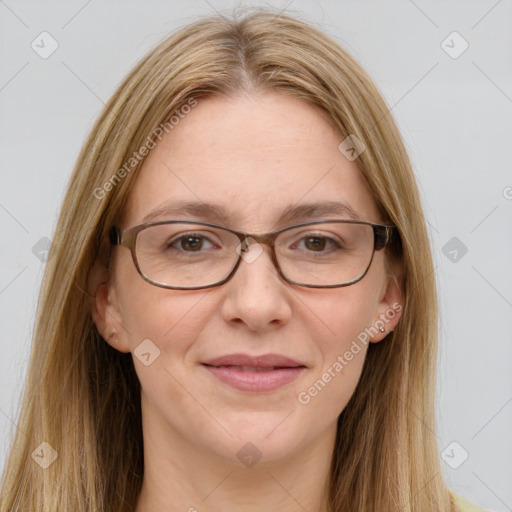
(257, 296)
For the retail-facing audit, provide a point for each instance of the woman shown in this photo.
(240, 311)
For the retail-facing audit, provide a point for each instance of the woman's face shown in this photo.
(253, 157)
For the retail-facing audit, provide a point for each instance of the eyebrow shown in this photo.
(216, 212)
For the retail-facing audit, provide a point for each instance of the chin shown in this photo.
(264, 444)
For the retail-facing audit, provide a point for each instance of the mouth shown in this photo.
(255, 374)
(254, 368)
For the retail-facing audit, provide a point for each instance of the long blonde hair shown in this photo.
(82, 397)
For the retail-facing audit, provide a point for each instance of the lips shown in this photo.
(250, 368)
(254, 373)
(246, 362)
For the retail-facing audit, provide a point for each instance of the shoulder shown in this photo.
(467, 506)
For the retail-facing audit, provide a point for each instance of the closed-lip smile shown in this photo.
(258, 374)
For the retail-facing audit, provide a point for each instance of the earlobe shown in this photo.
(386, 322)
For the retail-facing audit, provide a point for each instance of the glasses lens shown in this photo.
(188, 255)
(325, 254)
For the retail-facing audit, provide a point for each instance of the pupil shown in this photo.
(315, 243)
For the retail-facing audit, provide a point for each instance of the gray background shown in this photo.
(455, 116)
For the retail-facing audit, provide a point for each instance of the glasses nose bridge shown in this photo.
(263, 239)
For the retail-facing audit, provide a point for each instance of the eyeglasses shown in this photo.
(184, 255)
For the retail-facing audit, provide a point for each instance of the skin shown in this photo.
(230, 150)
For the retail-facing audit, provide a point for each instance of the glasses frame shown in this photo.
(382, 236)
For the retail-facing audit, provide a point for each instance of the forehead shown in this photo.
(256, 158)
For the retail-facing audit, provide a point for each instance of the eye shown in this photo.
(190, 242)
(318, 243)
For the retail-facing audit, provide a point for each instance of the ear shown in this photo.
(390, 307)
(104, 306)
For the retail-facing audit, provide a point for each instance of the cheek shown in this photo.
(158, 314)
(171, 319)
(336, 317)
(339, 320)
(344, 350)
